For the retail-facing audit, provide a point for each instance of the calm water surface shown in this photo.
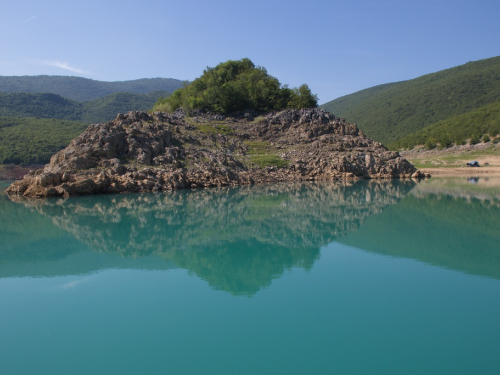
(369, 278)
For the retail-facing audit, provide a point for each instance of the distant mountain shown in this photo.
(95, 111)
(84, 89)
(389, 112)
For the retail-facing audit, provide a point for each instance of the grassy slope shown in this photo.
(387, 113)
(84, 89)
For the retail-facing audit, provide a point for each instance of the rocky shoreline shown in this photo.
(142, 152)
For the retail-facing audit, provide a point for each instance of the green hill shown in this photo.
(33, 127)
(40, 105)
(106, 109)
(34, 140)
(94, 111)
(84, 89)
(389, 112)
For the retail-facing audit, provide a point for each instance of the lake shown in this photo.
(313, 278)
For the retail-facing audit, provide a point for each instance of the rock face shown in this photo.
(140, 152)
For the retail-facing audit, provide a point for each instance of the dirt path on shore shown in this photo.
(489, 165)
(473, 172)
(452, 161)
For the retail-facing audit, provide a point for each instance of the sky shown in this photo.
(336, 47)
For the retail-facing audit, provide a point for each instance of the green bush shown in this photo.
(236, 86)
(475, 139)
(430, 144)
(445, 142)
(486, 138)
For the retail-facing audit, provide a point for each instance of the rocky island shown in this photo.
(142, 152)
(234, 125)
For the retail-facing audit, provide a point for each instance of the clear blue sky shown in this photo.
(336, 47)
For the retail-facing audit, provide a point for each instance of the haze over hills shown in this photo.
(84, 89)
(389, 112)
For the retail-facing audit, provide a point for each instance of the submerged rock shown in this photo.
(139, 152)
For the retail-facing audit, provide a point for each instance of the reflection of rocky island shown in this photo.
(238, 239)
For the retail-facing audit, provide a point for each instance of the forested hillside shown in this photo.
(479, 124)
(34, 140)
(57, 107)
(387, 113)
(84, 89)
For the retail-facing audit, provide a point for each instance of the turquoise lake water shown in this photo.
(367, 278)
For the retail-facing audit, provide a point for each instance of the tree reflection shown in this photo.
(237, 239)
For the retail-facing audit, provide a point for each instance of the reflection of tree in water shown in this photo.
(238, 239)
(243, 267)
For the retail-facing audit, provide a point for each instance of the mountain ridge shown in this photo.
(84, 89)
(50, 105)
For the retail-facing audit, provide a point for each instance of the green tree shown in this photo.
(235, 86)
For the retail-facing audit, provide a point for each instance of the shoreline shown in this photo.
(462, 172)
(452, 161)
(10, 172)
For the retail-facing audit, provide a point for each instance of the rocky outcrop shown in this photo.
(140, 152)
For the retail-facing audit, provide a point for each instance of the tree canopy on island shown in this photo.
(235, 86)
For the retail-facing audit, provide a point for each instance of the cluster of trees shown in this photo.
(235, 86)
(390, 112)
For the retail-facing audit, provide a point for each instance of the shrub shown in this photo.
(474, 140)
(430, 144)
